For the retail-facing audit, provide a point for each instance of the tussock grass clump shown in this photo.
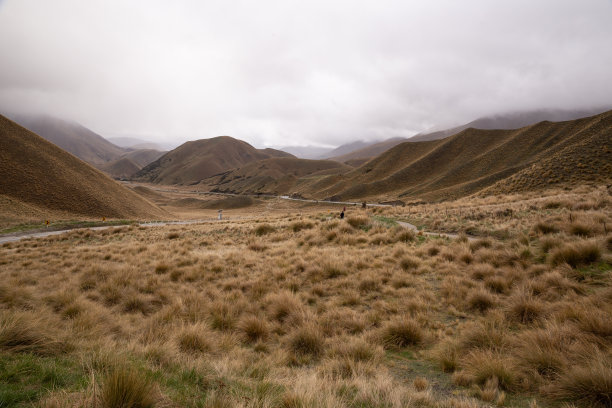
(356, 349)
(447, 356)
(409, 262)
(194, 339)
(404, 235)
(24, 332)
(127, 388)
(402, 333)
(161, 268)
(549, 243)
(478, 367)
(301, 225)
(358, 221)
(253, 329)
(525, 309)
(223, 316)
(491, 334)
(306, 341)
(173, 235)
(576, 254)
(263, 229)
(285, 307)
(480, 300)
(588, 384)
(257, 247)
(545, 228)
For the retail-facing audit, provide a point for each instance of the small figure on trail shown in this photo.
(363, 204)
(220, 216)
(342, 215)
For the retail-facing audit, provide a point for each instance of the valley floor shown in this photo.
(293, 307)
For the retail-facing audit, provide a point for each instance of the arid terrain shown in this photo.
(286, 305)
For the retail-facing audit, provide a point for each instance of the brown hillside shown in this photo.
(279, 175)
(143, 157)
(123, 168)
(472, 161)
(197, 160)
(511, 120)
(39, 178)
(73, 138)
(368, 152)
(509, 160)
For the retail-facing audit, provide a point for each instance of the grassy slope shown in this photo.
(37, 176)
(276, 175)
(196, 160)
(572, 152)
(73, 138)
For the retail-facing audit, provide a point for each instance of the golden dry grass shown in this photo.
(307, 310)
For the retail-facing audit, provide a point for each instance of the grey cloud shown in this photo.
(295, 72)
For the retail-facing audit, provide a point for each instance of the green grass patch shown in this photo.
(25, 378)
(386, 221)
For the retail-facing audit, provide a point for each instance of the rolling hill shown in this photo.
(37, 178)
(472, 161)
(360, 156)
(511, 120)
(123, 168)
(199, 159)
(73, 138)
(280, 175)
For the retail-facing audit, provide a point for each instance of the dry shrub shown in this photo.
(194, 339)
(306, 341)
(588, 384)
(402, 333)
(358, 221)
(253, 329)
(576, 254)
(173, 235)
(26, 332)
(480, 300)
(478, 367)
(127, 388)
(263, 229)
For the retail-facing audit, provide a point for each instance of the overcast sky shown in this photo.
(299, 72)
